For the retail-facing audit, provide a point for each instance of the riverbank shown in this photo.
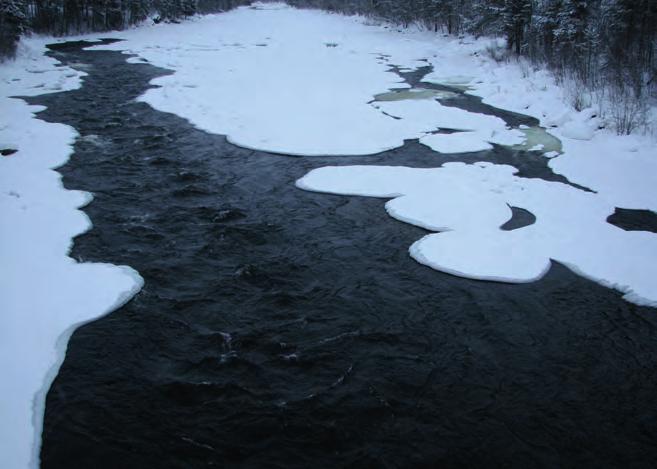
(45, 294)
(281, 327)
(212, 226)
(249, 77)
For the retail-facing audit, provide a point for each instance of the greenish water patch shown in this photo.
(538, 139)
(414, 93)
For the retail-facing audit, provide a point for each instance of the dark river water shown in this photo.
(280, 328)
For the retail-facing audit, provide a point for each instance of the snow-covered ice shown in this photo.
(458, 142)
(304, 82)
(268, 80)
(44, 294)
(469, 203)
(622, 169)
(311, 83)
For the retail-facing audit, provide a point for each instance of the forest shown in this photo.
(64, 17)
(596, 46)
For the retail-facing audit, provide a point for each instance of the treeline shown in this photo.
(63, 17)
(600, 47)
(604, 49)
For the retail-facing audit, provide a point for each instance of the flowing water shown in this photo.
(283, 328)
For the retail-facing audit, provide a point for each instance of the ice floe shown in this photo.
(468, 204)
(310, 83)
(296, 95)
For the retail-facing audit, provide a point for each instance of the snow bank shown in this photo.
(305, 82)
(469, 204)
(44, 294)
(621, 169)
(302, 82)
(298, 82)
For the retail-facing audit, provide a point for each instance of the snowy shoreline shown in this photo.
(45, 294)
(282, 89)
(308, 98)
(620, 168)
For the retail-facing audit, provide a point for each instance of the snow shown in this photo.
(459, 142)
(298, 96)
(44, 294)
(304, 82)
(623, 170)
(310, 83)
(268, 80)
(469, 203)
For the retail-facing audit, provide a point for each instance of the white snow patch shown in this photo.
(44, 294)
(471, 202)
(471, 141)
(296, 96)
(621, 169)
(456, 81)
(458, 142)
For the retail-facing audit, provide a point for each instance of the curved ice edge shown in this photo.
(639, 300)
(413, 221)
(274, 150)
(72, 202)
(416, 253)
(39, 400)
(628, 293)
(301, 184)
(325, 153)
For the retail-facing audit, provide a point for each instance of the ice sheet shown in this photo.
(469, 204)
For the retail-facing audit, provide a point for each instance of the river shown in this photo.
(283, 328)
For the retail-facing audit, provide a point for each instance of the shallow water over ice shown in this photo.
(280, 328)
(538, 139)
(415, 93)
